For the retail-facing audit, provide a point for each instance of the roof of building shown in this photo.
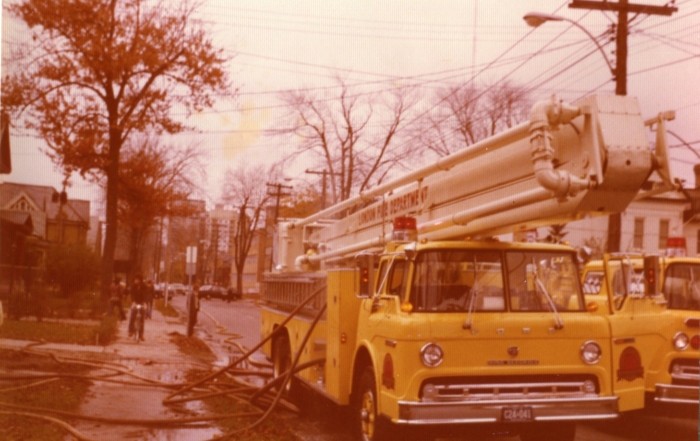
(45, 199)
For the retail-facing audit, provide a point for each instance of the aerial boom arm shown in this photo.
(567, 162)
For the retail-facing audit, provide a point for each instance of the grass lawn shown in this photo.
(192, 346)
(58, 332)
(167, 311)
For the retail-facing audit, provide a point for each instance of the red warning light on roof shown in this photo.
(676, 247)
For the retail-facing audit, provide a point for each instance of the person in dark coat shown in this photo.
(192, 308)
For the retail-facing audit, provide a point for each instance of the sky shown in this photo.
(277, 46)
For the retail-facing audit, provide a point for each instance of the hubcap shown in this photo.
(367, 415)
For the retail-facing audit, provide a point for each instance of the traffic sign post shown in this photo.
(190, 270)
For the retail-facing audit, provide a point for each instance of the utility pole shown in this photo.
(623, 8)
(324, 183)
(278, 194)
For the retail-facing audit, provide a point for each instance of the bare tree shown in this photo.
(463, 115)
(97, 71)
(453, 123)
(353, 133)
(155, 181)
(245, 190)
(506, 105)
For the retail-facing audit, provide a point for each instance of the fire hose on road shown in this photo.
(258, 397)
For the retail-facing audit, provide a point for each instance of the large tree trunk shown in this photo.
(110, 245)
(239, 280)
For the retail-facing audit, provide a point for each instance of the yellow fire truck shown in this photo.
(415, 318)
(653, 305)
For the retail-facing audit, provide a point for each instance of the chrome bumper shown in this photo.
(491, 411)
(668, 393)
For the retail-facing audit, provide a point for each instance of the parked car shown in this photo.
(235, 295)
(158, 290)
(177, 288)
(211, 291)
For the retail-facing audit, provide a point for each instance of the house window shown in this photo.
(663, 233)
(638, 233)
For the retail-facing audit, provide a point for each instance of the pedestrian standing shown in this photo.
(150, 294)
(138, 297)
(116, 293)
(192, 308)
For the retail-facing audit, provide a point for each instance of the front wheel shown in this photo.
(369, 427)
(564, 431)
(139, 327)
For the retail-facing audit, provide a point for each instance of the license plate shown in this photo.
(517, 414)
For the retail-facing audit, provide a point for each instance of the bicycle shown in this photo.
(139, 319)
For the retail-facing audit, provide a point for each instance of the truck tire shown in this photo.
(368, 425)
(282, 361)
(563, 431)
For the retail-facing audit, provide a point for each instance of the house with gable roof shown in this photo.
(32, 218)
(55, 218)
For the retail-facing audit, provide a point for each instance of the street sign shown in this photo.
(191, 261)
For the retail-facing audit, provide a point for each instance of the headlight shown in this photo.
(431, 354)
(591, 352)
(681, 341)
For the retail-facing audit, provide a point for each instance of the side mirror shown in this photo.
(364, 268)
(651, 276)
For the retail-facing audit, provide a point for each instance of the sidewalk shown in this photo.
(157, 358)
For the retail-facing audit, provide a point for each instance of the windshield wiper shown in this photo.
(558, 322)
(473, 291)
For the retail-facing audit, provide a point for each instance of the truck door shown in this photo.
(637, 329)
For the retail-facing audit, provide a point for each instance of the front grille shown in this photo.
(685, 372)
(510, 388)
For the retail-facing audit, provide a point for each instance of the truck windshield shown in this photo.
(457, 281)
(543, 281)
(682, 286)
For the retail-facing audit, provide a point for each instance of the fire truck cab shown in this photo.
(653, 305)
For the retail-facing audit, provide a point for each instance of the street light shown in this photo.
(535, 19)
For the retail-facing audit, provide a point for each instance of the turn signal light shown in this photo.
(591, 306)
(695, 341)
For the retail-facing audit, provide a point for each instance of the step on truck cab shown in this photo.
(399, 305)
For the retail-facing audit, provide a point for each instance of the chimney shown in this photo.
(696, 169)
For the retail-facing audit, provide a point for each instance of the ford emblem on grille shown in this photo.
(513, 351)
